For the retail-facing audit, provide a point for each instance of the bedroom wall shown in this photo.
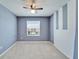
(64, 38)
(8, 28)
(75, 56)
(51, 29)
(22, 29)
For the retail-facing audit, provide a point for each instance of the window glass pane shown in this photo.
(65, 17)
(57, 24)
(33, 28)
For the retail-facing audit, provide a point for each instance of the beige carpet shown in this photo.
(33, 50)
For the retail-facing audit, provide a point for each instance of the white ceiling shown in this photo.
(49, 7)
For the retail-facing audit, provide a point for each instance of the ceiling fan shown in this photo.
(33, 6)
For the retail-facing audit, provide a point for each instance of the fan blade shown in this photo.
(38, 8)
(26, 7)
(33, 8)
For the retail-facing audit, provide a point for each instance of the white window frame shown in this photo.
(33, 24)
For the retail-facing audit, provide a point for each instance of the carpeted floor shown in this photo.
(33, 50)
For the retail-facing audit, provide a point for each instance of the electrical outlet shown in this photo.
(1, 47)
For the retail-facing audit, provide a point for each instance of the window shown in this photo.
(57, 24)
(33, 28)
(65, 22)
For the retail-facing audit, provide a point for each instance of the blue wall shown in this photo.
(51, 29)
(8, 28)
(44, 27)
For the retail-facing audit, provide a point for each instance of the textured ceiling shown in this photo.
(49, 7)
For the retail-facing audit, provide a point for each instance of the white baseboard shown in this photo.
(62, 52)
(7, 50)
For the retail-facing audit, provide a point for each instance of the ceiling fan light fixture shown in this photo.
(33, 11)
